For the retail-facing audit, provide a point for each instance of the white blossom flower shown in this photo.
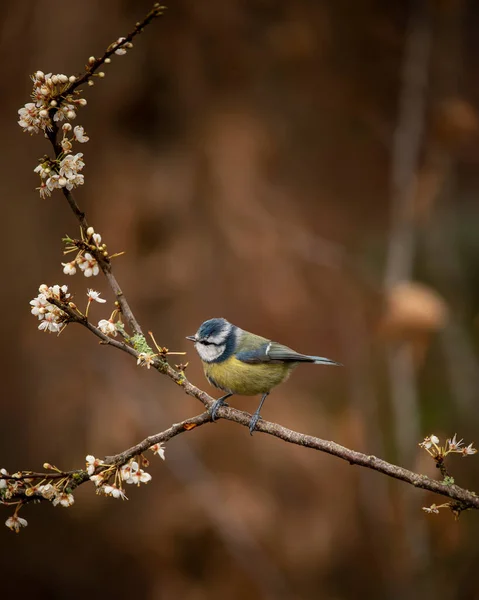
(66, 111)
(468, 450)
(75, 182)
(64, 500)
(92, 463)
(52, 182)
(48, 491)
(140, 476)
(69, 171)
(66, 145)
(97, 479)
(43, 169)
(429, 441)
(80, 135)
(44, 191)
(426, 443)
(30, 118)
(40, 306)
(3, 482)
(128, 470)
(107, 327)
(433, 509)
(95, 296)
(145, 360)
(69, 268)
(159, 449)
(454, 444)
(71, 165)
(15, 523)
(58, 292)
(88, 264)
(115, 492)
(50, 324)
(96, 237)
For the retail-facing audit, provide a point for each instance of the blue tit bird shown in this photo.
(239, 362)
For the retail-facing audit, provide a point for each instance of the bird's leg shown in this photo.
(217, 404)
(256, 416)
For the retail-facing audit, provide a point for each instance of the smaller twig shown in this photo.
(105, 266)
(74, 317)
(34, 475)
(92, 67)
(80, 476)
(441, 465)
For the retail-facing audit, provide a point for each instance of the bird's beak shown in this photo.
(191, 338)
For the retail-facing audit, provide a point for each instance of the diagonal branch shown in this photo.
(462, 499)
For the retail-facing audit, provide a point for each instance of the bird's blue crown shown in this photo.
(212, 327)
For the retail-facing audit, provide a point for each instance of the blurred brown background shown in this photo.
(307, 170)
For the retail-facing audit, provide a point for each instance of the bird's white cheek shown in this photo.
(209, 353)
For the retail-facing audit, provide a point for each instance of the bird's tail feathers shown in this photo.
(320, 360)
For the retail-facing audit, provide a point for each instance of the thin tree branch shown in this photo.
(465, 498)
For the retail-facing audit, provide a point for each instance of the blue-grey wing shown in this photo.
(272, 352)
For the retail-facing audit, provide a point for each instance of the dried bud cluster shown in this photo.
(145, 360)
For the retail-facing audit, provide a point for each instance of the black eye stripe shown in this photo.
(207, 343)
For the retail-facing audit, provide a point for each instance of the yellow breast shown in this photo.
(233, 375)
